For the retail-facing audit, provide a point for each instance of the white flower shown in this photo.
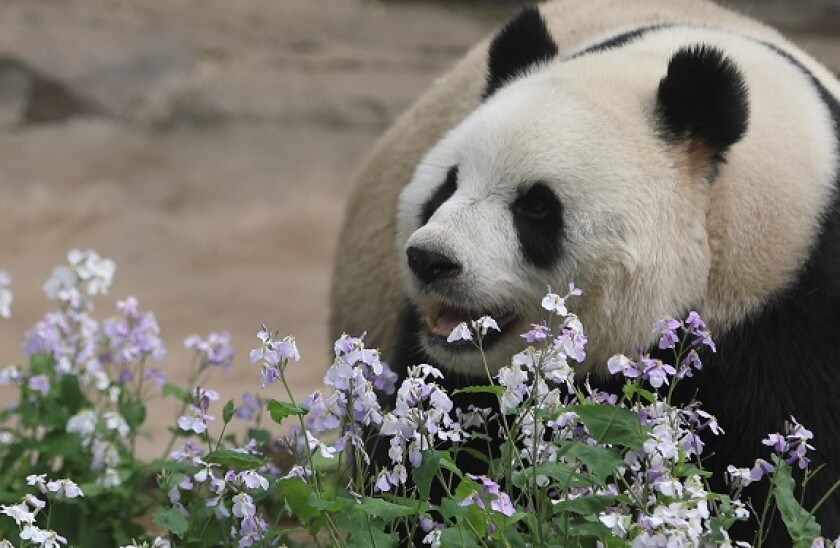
(65, 488)
(618, 523)
(6, 296)
(110, 478)
(96, 272)
(243, 506)
(18, 512)
(39, 480)
(555, 303)
(84, 424)
(314, 443)
(34, 502)
(161, 543)
(484, 324)
(252, 480)
(460, 333)
(738, 477)
(114, 421)
(433, 538)
(9, 374)
(42, 537)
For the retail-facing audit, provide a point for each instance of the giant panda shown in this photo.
(663, 155)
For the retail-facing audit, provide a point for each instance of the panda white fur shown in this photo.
(664, 157)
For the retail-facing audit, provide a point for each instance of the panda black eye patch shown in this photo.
(538, 220)
(443, 193)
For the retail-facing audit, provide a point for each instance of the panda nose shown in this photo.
(430, 266)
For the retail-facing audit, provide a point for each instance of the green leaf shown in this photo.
(234, 459)
(227, 411)
(801, 525)
(71, 393)
(611, 424)
(367, 536)
(171, 520)
(600, 461)
(457, 536)
(586, 528)
(260, 435)
(589, 505)
(485, 389)
(563, 475)
(279, 410)
(41, 363)
(632, 389)
(134, 413)
(387, 511)
(295, 493)
(426, 472)
(61, 444)
(170, 389)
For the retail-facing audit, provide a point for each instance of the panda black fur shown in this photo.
(663, 167)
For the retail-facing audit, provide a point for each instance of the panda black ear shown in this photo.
(523, 42)
(703, 97)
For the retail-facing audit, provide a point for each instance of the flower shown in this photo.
(42, 537)
(196, 420)
(624, 365)
(554, 303)
(215, 351)
(6, 296)
(39, 383)
(484, 324)
(243, 506)
(252, 480)
(65, 488)
(460, 333)
(249, 408)
(19, 512)
(667, 330)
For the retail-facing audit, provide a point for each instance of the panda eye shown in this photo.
(535, 204)
(531, 209)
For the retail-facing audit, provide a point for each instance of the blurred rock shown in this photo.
(28, 97)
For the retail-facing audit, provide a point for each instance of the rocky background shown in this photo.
(207, 146)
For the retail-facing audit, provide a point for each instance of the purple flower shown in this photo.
(656, 372)
(538, 333)
(216, 350)
(243, 506)
(777, 442)
(190, 451)
(133, 335)
(204, 397)
(697, 328)
(502, 505)
(760, 469)
(157, 376)
(195, 421)
(253, 480)
(249, 408)
(667, 329)
(624, 365)
(39, 383)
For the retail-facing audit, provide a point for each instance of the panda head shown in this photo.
(594, 169)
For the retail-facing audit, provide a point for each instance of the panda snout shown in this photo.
(431, 266)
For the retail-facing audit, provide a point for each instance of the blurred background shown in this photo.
(208, 146)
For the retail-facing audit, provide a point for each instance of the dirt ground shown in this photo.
(207, 146)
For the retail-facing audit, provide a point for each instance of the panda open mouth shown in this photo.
(440, 324)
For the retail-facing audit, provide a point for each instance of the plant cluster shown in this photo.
(565, 464)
